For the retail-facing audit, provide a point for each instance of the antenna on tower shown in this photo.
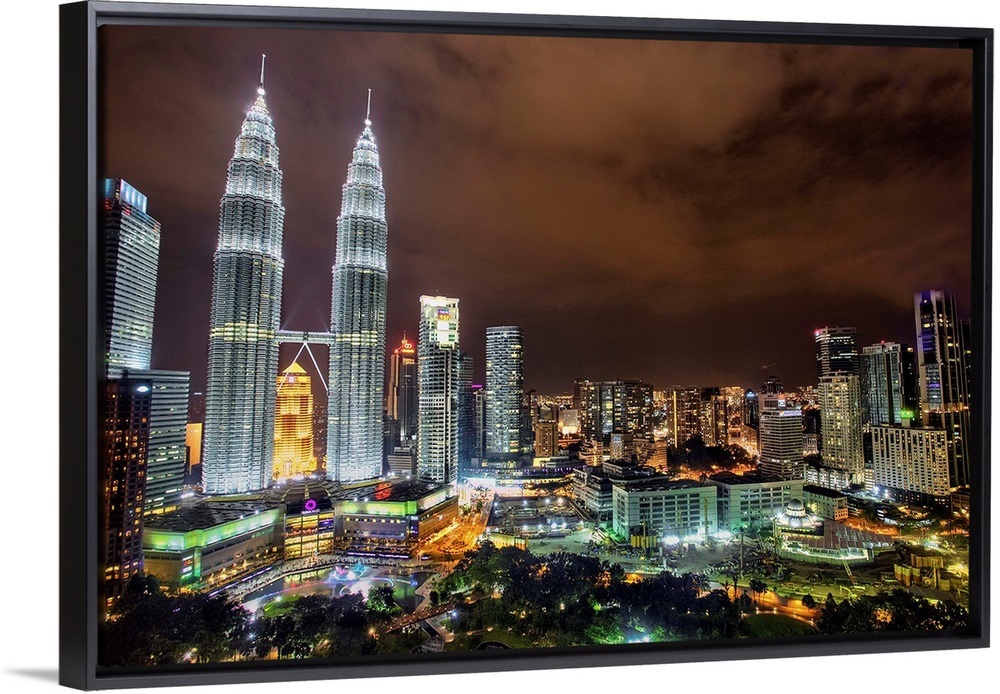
(262, 57)
(368, 113)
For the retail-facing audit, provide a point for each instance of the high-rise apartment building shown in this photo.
(841, 424)
(780, 435)
(943, 367)
(625, 407)
(357, 353)
(246, 308)
(401, 399)
(713, 417)
(504, 392)
(126, 441)
(684, 408)
(293, 424)
(546, 439)
(911, 464)
(437, 391)
(132, 254)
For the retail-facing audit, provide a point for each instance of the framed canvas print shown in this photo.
(420, 342)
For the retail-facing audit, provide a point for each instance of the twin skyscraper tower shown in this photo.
(246, 311)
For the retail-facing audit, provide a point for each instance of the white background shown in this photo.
(28, 314)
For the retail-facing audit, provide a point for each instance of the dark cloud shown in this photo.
(683, 212)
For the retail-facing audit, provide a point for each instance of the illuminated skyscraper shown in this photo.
(142, 465)
(836, 351)
(466, 411)
(889, 385)
(781, 440)
(437, 394)
(504, 392)
(246, 308)
(293, 424)
(357, 354)
(401, 400)
(132, 254)
(943, 367)
(167, 449)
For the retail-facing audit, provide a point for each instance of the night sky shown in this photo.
(680, 212)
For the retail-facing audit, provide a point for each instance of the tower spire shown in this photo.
(368, 113)
(260, 90)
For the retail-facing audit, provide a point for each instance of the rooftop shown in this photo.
(662, 484)
(731, 478)
(204, 514)
(823, 491)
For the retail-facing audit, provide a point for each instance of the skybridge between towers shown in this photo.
(305, 338)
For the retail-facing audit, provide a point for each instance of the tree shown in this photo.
(382, 603)
(808, 602)
(758, 587)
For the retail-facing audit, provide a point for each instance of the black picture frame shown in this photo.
(81, 346)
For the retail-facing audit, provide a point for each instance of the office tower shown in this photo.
(504, 392)
(246, 308)
(836, 351)
(479, 423)
(167, 440)
(128, 408)
(911, 464)
(772, 386)
(811, 434)
(889, 382)
(466, 411)
(942, 365)
(192, 441)
(530, 403)
(781, 440)
(401, 400)
(437, 392)
(132, 247)
(132, 254)
(841, 424)
(751, 409)
(357, 354)
(293, 424)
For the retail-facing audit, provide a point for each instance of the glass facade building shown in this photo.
(504, 391)
(889, 385)
(246, 309)
(943, 366)
(132, 255)
(437, 394)
(401, 400)
(357, 353)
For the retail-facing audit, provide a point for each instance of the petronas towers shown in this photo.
(246, 308)
(357, 353)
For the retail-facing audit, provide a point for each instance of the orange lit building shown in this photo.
(293, 424)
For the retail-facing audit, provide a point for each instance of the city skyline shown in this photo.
(741, 341)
